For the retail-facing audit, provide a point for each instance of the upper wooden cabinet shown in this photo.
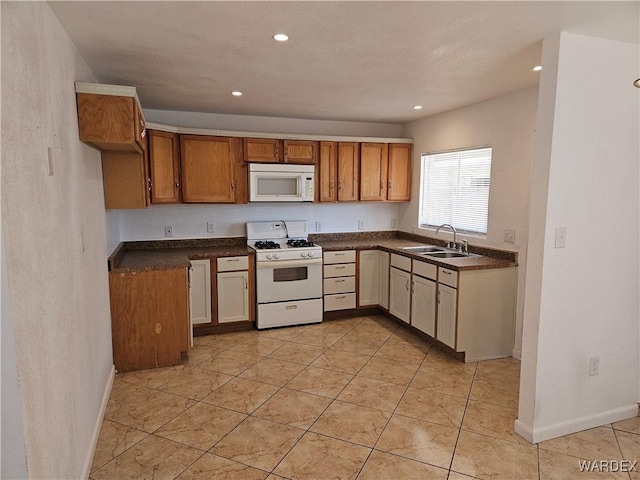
(110, 123)
(164, 167)
(327, 171)
(301, 152)
(348, 171)
(373, 171)
(399, 180)
(262, 150)
(272, 150)
(209, 166)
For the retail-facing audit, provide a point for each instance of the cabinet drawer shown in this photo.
(448, 277)
(424, 269)
(341, 301)
(228, 264)
(339, 285)
(340, 270)
(339, 257)
(403, 263)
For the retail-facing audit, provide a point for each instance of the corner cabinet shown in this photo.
(149, 318)
(209, 169)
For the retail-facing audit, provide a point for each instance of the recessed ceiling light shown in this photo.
(637, 83)
(417, 107)
(537, 68)
(281, 37)
(236, 93)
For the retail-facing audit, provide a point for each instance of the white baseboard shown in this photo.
(538, 435)
(517, 354)
(98, 425)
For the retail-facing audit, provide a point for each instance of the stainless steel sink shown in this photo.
(447, 254)
(424, 249)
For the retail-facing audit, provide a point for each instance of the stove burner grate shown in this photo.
(300, 243)
(266, 245)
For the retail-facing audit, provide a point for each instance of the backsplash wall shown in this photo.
(190, 220)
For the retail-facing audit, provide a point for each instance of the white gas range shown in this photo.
(288, 273)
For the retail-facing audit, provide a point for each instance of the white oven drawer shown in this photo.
(228, 264)
(341, 301)
(340, 270)
(339, 285)
(339, 257)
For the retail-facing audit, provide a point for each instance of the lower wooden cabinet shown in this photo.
(149, 318)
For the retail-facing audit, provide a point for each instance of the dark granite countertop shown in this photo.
(166, 255)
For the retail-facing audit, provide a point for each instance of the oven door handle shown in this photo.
(290, 263)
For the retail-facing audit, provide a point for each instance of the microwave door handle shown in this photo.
(299, 185)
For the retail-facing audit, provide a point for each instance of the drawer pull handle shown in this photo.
(233, 260)
(446, 273)
(291, 307)
(341, 297)
(340, 268)
(340, 281)
(339, 254)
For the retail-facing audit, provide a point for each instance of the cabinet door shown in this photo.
(447, 314)
(262, 150)
(383, 295)
(368, 284)
(233, 297)
(399, 293)
(163, 163)
(327, 171)
(348, 171)
(200, 291)
(399, 182)
(208, 169)
(423, 305)
(300, 151)
(373, 171)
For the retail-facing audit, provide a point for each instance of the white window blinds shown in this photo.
(455, 189)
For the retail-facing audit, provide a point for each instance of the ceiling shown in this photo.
(356, 61)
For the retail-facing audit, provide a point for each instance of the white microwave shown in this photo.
(276, 182)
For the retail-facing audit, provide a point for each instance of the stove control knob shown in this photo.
(303, 254)
(309, 254)
(268, 256)
(276, 256)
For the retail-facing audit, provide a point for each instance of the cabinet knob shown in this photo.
(233, 184)
(158, 328)
(389, 187)
(340, 185)
(177, 184)
(331, 185)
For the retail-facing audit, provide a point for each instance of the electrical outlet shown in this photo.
(509, 235)
(318, 226)
(211, 228)
(360, 224)
(594, 366)
(168, 231)
(50, 161)
(561, 237)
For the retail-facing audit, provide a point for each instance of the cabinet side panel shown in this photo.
(486, 313)
(169, 314)
(105, 119)
(132, 340)
(124, 180)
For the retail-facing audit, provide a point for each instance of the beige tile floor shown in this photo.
(358, 398)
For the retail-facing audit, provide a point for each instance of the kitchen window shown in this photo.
(454, 189)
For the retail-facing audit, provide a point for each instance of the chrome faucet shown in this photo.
(453, 229)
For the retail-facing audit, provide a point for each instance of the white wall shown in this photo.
(190, 221)
(508, 125)
(582, 300)
(245, 123)
(55, 239)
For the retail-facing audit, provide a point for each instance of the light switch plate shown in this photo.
(561, 237)
(318, 226)
(360, 224)
(211, 227)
